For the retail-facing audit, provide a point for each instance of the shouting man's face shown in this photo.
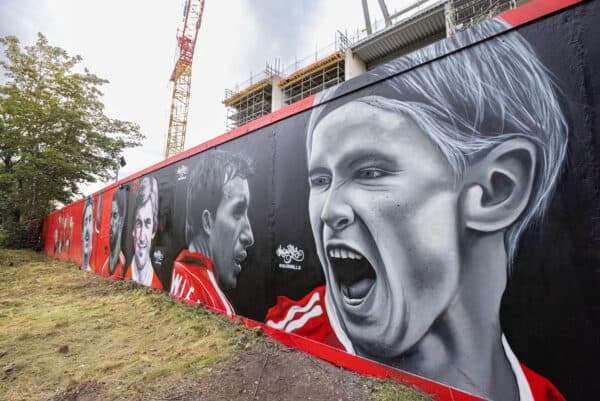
(143, 234)
(383, 214)
(231, 232)
(86, 234)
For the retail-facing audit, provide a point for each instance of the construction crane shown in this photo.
(182, 76)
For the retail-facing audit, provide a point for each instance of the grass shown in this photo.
(390, 391)
(124, 336)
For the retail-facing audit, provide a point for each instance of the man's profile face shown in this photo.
(143, 233)
(116, 226)
(86, 234)
(383, 214)
(231, 232)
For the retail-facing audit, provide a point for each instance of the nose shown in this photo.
(246, 236)
(337, 213)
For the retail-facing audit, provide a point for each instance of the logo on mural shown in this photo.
(288, 254)
(182, 172)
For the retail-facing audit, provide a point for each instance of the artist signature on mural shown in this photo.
(290, 254)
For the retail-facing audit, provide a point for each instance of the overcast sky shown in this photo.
(132, 44)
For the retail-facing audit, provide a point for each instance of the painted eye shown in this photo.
(370, 173)
(320, 181)
(239, 210)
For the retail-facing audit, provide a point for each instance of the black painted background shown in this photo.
(551, 308)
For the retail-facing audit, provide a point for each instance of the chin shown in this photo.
(228, 285)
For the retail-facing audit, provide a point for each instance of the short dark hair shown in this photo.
(120, 196)
(213, 170)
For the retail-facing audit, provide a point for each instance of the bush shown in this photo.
(16, 235)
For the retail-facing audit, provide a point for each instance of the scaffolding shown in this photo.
(318, 76)
(464, 14)
(252, 102)
(248, 105)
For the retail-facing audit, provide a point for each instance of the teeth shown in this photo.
(343, 253)
(351, 301)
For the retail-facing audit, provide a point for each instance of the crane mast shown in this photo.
(182, 76)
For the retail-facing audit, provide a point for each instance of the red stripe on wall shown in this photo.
(519, 16)
(534, 10)
(261, 122)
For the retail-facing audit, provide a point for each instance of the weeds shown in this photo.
(115, 332)
(62, 328)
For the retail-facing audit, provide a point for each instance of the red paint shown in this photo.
(534, 10)
(261, 122)
(520, 16)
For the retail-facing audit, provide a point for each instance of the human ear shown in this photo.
(207, 222)
(498, 186)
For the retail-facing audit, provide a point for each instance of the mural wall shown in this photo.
(439, 215)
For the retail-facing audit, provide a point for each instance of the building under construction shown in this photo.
(400, 32)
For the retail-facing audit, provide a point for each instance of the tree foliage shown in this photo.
(54, 134)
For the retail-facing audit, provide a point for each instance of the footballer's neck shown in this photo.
(464, 347)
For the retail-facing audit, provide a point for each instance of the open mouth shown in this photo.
(239, 259)
(354, 273)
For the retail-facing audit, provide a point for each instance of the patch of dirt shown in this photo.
(267, 371)
(88, 391)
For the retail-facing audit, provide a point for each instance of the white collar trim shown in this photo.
(524, 389)
(336, 325)
(228, 308)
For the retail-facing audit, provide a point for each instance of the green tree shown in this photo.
(54, 134)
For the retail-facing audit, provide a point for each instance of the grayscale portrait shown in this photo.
(419, 193)
(87, 229)
(69, 239)
(145, 225)
(117, 222)
(217, 229)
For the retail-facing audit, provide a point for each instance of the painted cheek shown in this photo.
(436, 239)
(315, 208)
(316, 203)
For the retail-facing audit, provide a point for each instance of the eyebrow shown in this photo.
(318, 170)
(358, 158)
